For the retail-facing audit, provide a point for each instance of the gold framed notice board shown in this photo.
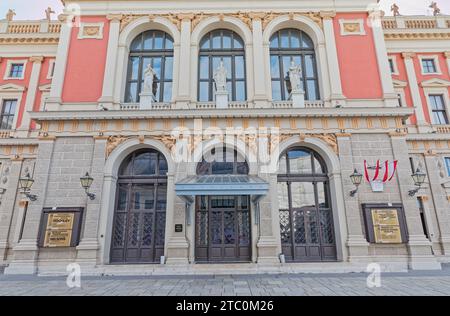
(60, 227)
(385, 223)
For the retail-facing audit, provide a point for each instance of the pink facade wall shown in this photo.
(86, 65)
(26, 82)
(402, 76)
(358, 61)
(420, 78)
(20, 82)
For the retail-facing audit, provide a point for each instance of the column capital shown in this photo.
(447, 55)
(257, 16)
(114, 17)
(186, 17)
(327, 15)
(36, 59)
(63, 18)
(408, 55)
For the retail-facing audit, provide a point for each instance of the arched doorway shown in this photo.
(140, 212)
(306, 217)
(223, 231)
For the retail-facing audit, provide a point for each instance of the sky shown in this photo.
(34, 9)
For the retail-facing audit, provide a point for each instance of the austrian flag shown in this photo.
(389, 171)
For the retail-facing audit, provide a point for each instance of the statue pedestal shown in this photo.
(298, 99)
(146, 101)
(222, 99)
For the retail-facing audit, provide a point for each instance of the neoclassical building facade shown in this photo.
(98, 167)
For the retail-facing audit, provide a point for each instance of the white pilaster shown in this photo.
(107, 98)
(422, 125)
(54, 100)
(447, 55)
(389, 95)
(332, 58)
(32, 89)
(260, 88)
(184, 85)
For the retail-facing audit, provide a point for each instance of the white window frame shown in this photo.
(436, 64)
(362, 30)
(436, 91)
(11, 96)
(9, 64)
(51, 69)
(394, 63)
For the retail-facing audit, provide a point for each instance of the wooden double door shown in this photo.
(223, 229)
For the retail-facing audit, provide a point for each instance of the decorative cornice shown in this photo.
(29, 41)
(416, 36)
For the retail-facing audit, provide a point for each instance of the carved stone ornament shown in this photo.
(352, 27)
(167, 140)
(246, 17)
(91, 31)
(113, 142)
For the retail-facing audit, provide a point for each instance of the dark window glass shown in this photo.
(153, 48)
(222, 161)
(16, 71)
(447, 164)
(391, 65)
(293, 45)
(144, 163)
(422, 216)
(301, 161)
(429, 66)
(7, 114)
(226, 46)
(438, 109)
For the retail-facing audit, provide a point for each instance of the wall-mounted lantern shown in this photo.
(86, 182)
(419, 179)
(356, 178)
(25, 185)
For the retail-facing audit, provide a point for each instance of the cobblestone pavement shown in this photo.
(412, 283)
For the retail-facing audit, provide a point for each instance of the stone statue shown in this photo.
(48, 14)
(149, 80)
(10, 15)
(436, 10)
(295, 76)
(395, 9)
(220, 78)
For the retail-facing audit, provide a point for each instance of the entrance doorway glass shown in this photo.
(306, 220)
(140, 213)
(223, 229)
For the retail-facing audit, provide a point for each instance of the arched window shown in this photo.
(140, 214)
(287, 45)
(222, 161)
(306, 220)
(154, 48)
(227, 46)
